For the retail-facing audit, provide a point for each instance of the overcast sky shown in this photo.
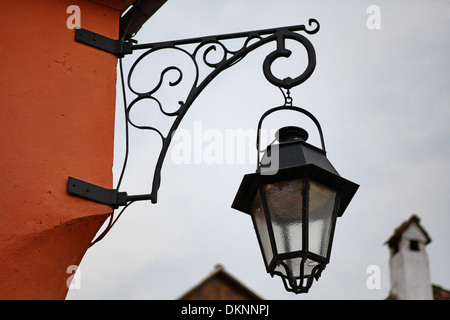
(382, 98)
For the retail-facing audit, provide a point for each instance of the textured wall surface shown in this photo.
(57, 120)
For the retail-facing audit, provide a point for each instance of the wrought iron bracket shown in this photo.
(199, 55)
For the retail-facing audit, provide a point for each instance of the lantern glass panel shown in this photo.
(321, 207)
(259, 220)
(284, 202)
(294, 266)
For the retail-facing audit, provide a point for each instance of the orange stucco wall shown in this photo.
(57, 100)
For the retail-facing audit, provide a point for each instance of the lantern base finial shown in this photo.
(300, 284)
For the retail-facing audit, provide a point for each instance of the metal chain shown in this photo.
(288, 99)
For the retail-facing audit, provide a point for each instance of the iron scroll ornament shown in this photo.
(252, 41)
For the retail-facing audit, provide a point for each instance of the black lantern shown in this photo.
(294, 199)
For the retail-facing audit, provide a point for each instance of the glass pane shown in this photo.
(261, 227)
(294, 266)
(321, 207)
(284, 201)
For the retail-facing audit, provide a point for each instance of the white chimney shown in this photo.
(409, 266)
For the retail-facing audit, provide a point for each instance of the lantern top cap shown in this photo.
(291, 134)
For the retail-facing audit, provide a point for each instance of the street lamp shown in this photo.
(294, 199)
(295, 195)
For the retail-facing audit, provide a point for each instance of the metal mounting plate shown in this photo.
(95, 193)
(117, 47)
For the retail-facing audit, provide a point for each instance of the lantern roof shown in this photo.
(297, 160)
(294, 154)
